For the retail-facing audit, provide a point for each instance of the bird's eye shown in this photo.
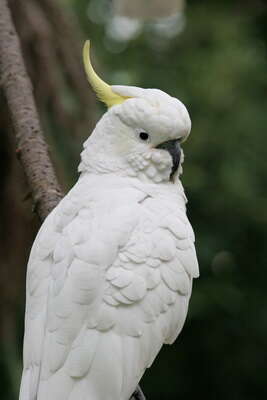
(144, 136)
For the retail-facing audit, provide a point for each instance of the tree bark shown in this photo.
(31, 147)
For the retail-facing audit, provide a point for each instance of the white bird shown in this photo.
(110, 273)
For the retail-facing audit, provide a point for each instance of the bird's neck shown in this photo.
(113, 180)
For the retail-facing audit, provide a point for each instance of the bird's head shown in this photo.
(139, 135)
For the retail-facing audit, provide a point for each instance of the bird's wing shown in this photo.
(108, 284)
(150, 284)
(37, 289)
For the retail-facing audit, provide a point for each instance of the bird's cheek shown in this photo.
(161, 158)
(156, 165)
(123, 147)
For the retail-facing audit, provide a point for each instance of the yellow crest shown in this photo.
(101, 88)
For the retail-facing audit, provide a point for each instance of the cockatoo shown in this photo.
(110, 273)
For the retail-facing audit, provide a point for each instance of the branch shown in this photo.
(31, 147)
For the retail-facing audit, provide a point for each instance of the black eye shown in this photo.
(144, 136)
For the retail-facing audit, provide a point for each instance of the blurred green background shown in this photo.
(212, 56)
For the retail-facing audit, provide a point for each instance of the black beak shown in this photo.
(173, 147)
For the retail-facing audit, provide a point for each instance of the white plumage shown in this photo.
(110, 272)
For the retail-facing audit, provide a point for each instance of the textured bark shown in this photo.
(31, 147)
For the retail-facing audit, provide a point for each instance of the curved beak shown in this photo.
(173, 147)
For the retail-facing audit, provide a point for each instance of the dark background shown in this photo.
(214, 59)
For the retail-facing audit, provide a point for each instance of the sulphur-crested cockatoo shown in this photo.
(110, 273)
